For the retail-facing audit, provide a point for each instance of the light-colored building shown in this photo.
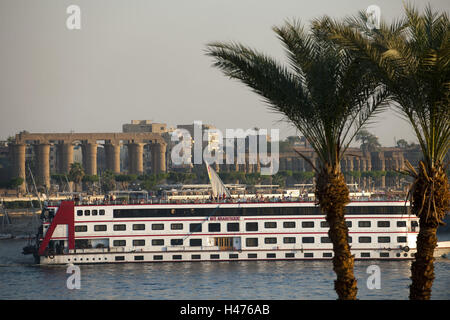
(144, 126)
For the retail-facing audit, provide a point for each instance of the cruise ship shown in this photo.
(228, 228)
(218, 231)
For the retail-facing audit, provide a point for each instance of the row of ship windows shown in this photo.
(234, 226)
(94, 212)
(252, 256)
(253, 242)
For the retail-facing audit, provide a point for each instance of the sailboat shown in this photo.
(218, 188)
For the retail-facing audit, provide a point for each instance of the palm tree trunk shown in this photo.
(333, 195)
(422, 269)
(430, 202)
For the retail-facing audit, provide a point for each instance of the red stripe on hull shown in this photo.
(64, 215)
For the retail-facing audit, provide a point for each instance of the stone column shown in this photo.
(289, 164)
(66, 157)
(363, 168)
(17, 152)
(382, 168)
(162, 158)
(236, 166)
(112, 153)
(136, 158)
(158, 157)
(350, 168)
(131, 155)
(258, 164)
(90, 157)
(42, 151)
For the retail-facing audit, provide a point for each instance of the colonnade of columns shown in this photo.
(65, 153)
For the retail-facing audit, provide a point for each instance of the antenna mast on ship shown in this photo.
(33, 221)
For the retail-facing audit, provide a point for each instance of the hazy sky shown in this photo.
(146, 60)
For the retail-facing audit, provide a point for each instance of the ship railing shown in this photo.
(215, 201)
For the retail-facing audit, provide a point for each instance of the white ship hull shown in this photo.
(93, 234)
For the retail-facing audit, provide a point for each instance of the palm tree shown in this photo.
(76, 173)
(369, 142)
(328, 98)
(412, 57)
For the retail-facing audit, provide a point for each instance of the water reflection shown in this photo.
(273, 280)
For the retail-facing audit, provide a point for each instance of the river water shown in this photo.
(260, 280)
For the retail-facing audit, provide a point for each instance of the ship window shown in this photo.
(309, 255)
(214, 256)
(270, 225)
(270, 240)
(195, 257)
(195, 242)
(158, 257)
(325, 240)
(157, 242)
(158, 226)
(140, 226)
(289, 255)
(138, 258)
(251, 242)
(414, 224)
(214, 227)
(176, 257)
(81, 243)
(233, 255)
(139, 242)
(87, 212)
(195, 227)
(401, 224)
(251, 226)
(327, 255)
(94, 212)
(79, 212)
(383, 224)
(364, 224)
(365, 254)
(102, 212)
(289, 240)
(119, 243)
(308, 240)
(100, 227)
(80, 228)
(120, 227)
(401, 239)
(364, 239)
(324, 224)
(348, 223)
(233, 226)
(252, 256)
(119, 258)
(176, 226)
(176, 242)
(384, 239)
(349, 239)
(308, 224)
(289, 224)
(384, 254)
(271, 255)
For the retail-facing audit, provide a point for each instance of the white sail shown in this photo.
(218, 188)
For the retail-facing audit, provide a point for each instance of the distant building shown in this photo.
(144, 126)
